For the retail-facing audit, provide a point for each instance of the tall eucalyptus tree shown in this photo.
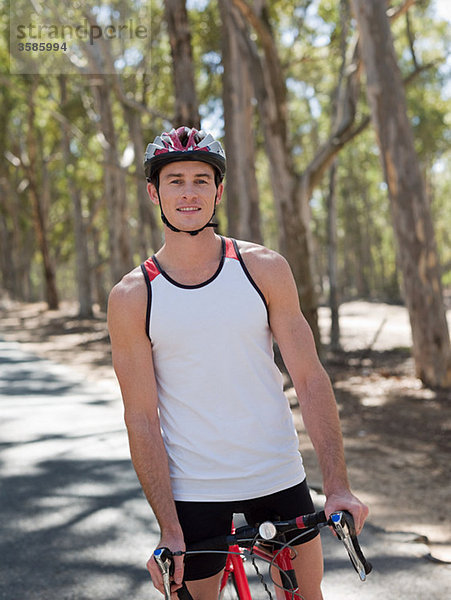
(411, 216)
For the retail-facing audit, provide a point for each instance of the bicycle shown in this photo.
(266, 541)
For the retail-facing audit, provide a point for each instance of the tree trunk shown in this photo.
(10, 247)
(34, 168)
(343, 101)
(99, 263)
(9, 232)
(83, 269)
(243, 211)
(292, 191)
(270, 90)
(416, 248)
(332, 258)
(150, 235)
(115, 185)
(186, 104)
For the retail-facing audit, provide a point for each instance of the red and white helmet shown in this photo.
(184, 144)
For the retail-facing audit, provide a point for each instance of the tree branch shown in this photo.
(343, 131)
(396, 12)
(329, 150)
(272, 61)
(411, 38)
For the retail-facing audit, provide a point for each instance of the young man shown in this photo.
(210, 430)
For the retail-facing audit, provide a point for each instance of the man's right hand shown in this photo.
(176, 545)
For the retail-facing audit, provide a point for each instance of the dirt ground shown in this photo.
(397, 433)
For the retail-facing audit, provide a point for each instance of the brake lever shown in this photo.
(163, 558)
(343, 525)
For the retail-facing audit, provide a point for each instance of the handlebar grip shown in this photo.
(302, 522)
(312, 520)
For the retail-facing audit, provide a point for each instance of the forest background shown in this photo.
(322, 148)
(291, 90)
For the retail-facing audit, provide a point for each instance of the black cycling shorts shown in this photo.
(203, 520)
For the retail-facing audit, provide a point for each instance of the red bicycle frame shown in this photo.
(234, 564)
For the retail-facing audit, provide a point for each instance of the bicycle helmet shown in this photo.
(179, 145)
(183, 144)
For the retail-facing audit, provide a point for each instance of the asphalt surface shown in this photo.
(75, 525)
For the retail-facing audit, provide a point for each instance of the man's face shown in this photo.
(187, 191)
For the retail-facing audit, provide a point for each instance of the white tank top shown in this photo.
(226, 423)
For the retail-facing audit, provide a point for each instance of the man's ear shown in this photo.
(219, 193)
(153, 194)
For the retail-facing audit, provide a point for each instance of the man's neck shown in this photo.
(186, 252)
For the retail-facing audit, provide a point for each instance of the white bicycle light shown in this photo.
(267, 530)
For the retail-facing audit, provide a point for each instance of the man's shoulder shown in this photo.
(269, 269)
(260, 257)
(130, 292)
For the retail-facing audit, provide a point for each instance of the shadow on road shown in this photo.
(61, 522)
(74, 523)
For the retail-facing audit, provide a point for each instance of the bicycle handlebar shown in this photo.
(341, 522)
(245, 536)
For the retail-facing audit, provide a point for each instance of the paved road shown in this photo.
(74, 524)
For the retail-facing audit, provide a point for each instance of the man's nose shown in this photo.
(188, 190)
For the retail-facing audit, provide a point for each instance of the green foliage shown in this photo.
(308, 34)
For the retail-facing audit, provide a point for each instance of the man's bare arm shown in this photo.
(132, 361)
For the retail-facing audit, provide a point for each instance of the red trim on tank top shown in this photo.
(230, 251)
(151, 268)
